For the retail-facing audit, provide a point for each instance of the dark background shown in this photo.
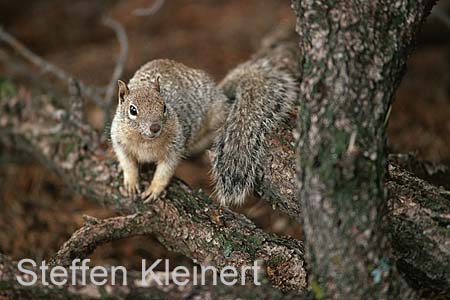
(38, 212)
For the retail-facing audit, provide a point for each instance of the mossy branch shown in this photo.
(184, 221)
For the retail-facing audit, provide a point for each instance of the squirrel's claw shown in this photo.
(152, 194)
(149, 196)
(131, 187)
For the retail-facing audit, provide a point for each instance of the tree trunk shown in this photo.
(354, 56)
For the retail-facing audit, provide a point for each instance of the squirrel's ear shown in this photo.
(123, 90)
(157, 86)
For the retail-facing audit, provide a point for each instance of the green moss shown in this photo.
(82, 170)
(317, 290)
(7, 89)
(67, 150)
(441, 204)
(227, 249)
(185, 202)
(253, 245)
(336, 260)
(236, 241)
(275, 260)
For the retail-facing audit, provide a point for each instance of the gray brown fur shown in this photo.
(263, 91)
(194, 109)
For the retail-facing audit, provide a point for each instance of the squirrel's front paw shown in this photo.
(131, 186)
(152, 193)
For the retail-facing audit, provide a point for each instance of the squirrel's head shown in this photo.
(143, 108)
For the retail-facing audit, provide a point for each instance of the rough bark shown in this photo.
(354, 57)
(414, 230)
(419, 228)
(97, 232)
(185, 221)
(10, 289)
(436, 174)
(276, 182)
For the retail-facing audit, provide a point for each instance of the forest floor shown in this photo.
(37, 211)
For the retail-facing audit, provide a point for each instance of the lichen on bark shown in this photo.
(354, 56)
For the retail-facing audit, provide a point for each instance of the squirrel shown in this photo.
(263, 91)
(166, 111)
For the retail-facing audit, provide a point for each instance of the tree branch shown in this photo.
(185, 221)
(435, 174)
(151, 10)
(419, 219)
(45, 66)
(10, 289)
(97, 232)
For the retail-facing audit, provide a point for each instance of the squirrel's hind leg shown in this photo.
(201, 144)
(215, 118)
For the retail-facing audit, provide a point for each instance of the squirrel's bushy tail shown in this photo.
(263, 91)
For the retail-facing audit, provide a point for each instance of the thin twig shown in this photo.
(151, 10)
(121, 60)
(44, 65)
(33, 58)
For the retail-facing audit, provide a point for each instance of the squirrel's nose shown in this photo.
(155, 128)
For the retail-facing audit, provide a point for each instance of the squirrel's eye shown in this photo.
(133, 111)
